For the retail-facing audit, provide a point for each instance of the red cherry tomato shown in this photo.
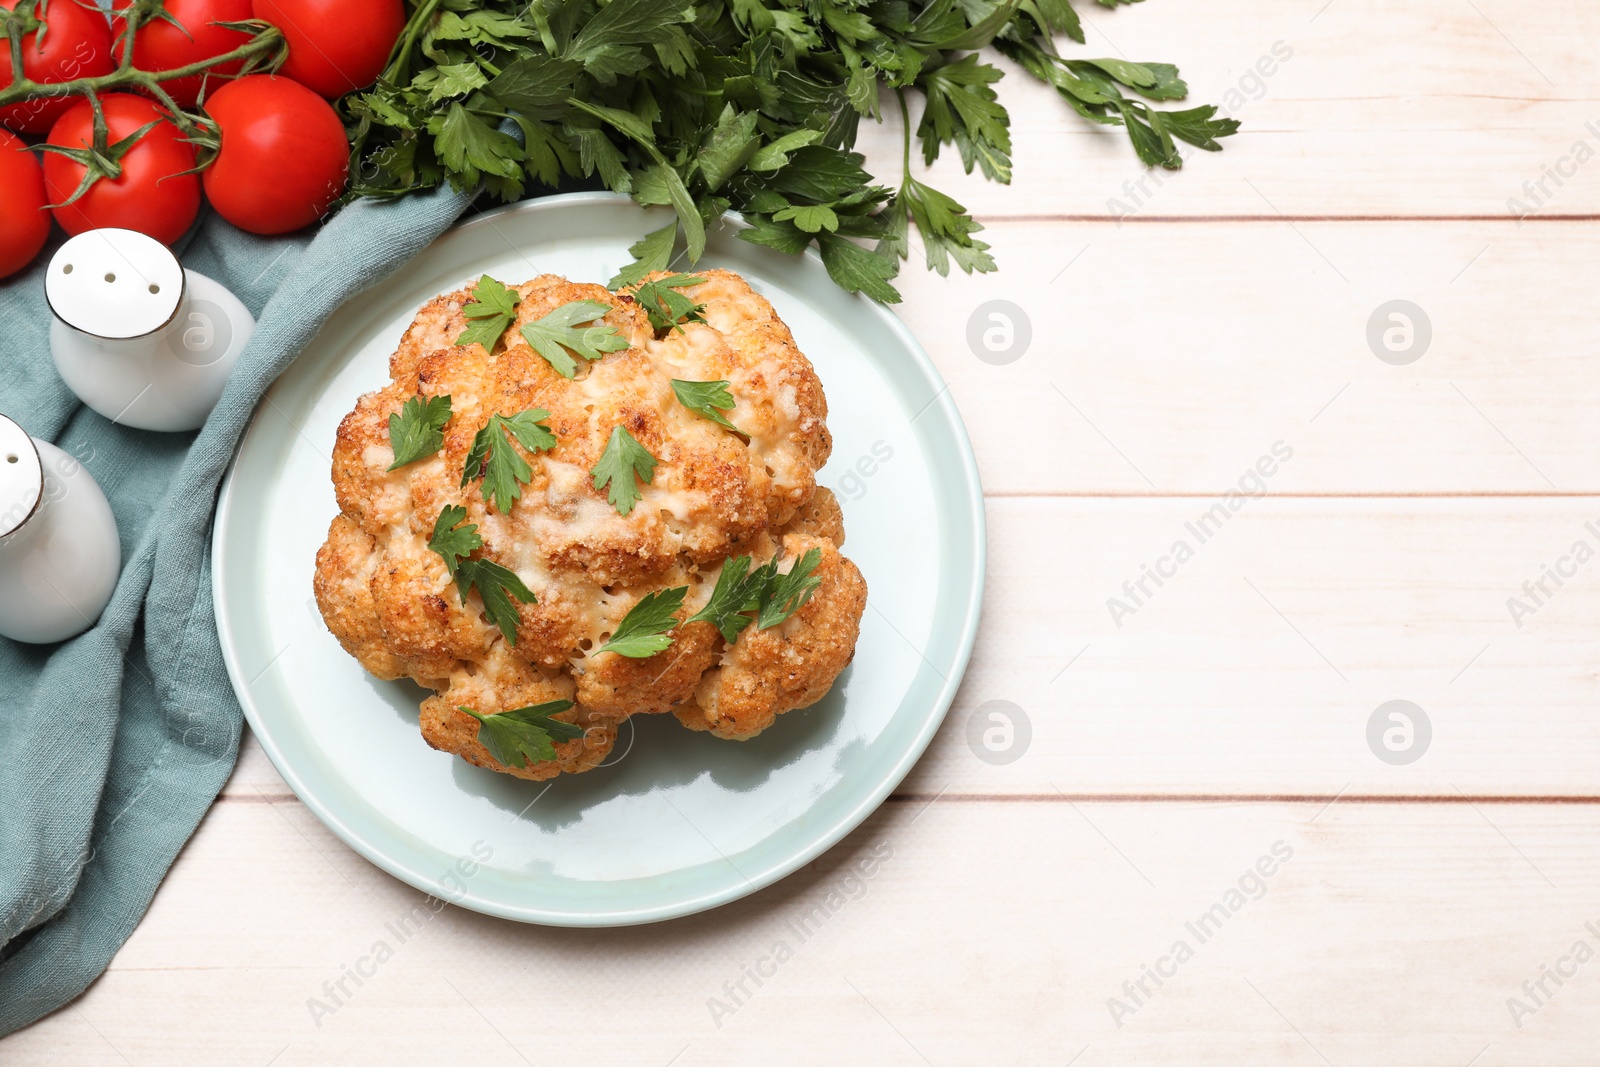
(335, 45)
(77, 44)
(152, 194)
(24, 222)
(159, 45)
(284, 158)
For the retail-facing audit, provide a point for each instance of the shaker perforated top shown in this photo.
(115, 284)
(21, 476)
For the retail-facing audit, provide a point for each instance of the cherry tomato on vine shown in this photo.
(283, 159)
(144, 187)
(159, 45)
(77, 44)
(335, 45)
(24, 222)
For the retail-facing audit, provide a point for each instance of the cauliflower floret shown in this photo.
(502, 682)
(715, 494)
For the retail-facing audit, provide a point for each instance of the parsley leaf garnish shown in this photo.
(554, 334)
(503, 470)
(705, 398)
(452, 544)
(773, 597)
(786, 594)
(623, 458)
(665, 305)
(514, 737)
(729, 599)
(492, 309)
(496, 585)
(643, 631)
(417, 429)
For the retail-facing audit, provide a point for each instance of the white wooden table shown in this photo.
(1032, 911)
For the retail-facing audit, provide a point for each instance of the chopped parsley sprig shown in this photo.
(706, 398)
(493, 309)
(452, 541)
(741, 597)
(514, 737)
(557, 336)
(784, 594)
(503, 470)
(731, 597)
(763, 596)
(667, 307)
(623, 459)
(495, 584)
(416, 431)
(643, 631)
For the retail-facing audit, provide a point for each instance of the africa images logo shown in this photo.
(1137, 592)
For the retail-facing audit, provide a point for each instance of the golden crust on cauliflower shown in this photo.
(715, 494)
(792, 665)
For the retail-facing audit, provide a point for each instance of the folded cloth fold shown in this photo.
(114, 744)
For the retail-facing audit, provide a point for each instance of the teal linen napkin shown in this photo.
(114, 744)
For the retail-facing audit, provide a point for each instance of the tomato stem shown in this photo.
(267, 45)
(132, 19)
(19, 22)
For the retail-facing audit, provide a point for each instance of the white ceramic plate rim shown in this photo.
(825, 838)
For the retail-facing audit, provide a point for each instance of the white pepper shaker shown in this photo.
(59, 552)
(140, 339)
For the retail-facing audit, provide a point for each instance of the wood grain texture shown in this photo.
(1167, 358)
(1255, 668)
(1390, 934)
(1227, 714)
(1432, 108)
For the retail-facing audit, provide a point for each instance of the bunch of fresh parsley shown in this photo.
(750, 105)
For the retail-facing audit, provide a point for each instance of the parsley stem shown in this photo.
(399, 66)
(905, 138)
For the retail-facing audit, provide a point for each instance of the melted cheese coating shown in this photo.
(715, 494)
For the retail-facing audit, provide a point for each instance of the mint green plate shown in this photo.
(677, 821)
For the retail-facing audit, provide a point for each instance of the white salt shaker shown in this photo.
(59, 553)
(139, 338)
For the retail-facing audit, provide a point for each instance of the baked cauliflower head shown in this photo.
(558, 520)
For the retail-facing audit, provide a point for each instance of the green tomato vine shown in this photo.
(263, 52)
